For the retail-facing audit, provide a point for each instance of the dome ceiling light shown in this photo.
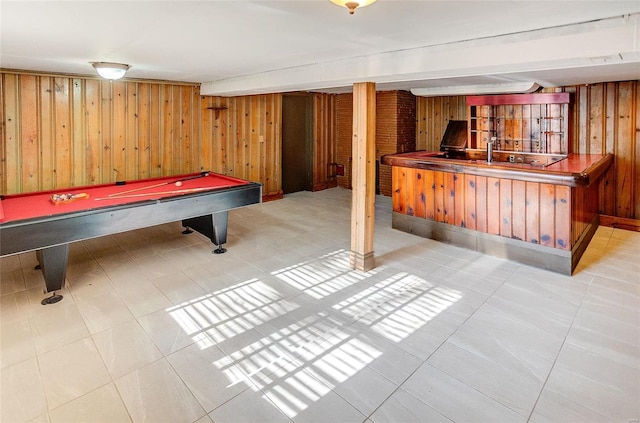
(111, 71)
(352, 5)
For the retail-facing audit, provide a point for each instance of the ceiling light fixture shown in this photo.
(351, 5)
(111, 71)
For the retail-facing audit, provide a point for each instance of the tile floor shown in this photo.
(155, 328)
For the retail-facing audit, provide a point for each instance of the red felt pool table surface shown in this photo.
(39, 204)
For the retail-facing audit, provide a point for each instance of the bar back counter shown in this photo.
(532, 202)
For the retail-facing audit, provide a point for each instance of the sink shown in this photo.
(510, 157)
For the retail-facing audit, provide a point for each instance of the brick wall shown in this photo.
(344, 129)
(395, 132)
(406, 122)
(396, 114)
(386, 135)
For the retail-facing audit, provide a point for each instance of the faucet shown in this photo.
(490, 149)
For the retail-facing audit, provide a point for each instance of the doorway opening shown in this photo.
(297, 143)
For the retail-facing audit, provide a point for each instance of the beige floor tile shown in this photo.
(14, 307)
(89, 284)
(102, 405)
(204, 419)
(612, 328)
(553, 408)
(154, 266)
(9, 263)
(112, 257)
(170, 330)
(178, 287)
(125, 274)
(34, 296)
(41, 419)
(621, 380)
(12, 281)
(57, 325)
(211, 376)
(249, 407)
(80, 264)
(142, 297)
(595, 396)
(406, 408)
(126, 348)
(101, 244)
(72, 371)
(511, 383)
(156, 393)
(391, 361)
(210, 278)
(16, 339)
(516, 345)
(104, 311)
(365, 390)
(328, 408)
(189, 256)
(28, 260)
(597, 343)
(456, 400)
(22, 395)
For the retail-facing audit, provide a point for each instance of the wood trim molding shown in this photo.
(495, 100)
(620, 223)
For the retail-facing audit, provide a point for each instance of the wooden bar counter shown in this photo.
(538, 214)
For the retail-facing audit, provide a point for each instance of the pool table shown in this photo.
(41, 222)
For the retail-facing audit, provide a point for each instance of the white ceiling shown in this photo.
(237, 47)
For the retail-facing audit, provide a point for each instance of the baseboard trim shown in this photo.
(620, 222)
(553, 259)
(272, 196)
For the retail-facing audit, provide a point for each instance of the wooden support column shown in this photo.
(363, 176)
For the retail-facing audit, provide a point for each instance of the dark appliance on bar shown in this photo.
(454, 140)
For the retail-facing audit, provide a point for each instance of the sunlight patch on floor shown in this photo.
(399, 305)
(297, 364)
(229, 312)
(300, 363)
(323, 276)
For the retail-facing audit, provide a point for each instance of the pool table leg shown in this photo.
(213, 226)
(220, 221)
(53, 262)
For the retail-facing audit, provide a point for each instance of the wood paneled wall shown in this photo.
(605, 118)
(60, 131)
(432, 116)
(241, 137)
(324, 141)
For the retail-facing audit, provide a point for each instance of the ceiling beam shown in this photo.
(601, 43)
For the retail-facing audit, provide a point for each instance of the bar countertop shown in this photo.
(574, 170)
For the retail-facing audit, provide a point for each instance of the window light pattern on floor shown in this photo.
(297, 365)
(229, 312)
(324, 276)
(399, 305)
(300, 363)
